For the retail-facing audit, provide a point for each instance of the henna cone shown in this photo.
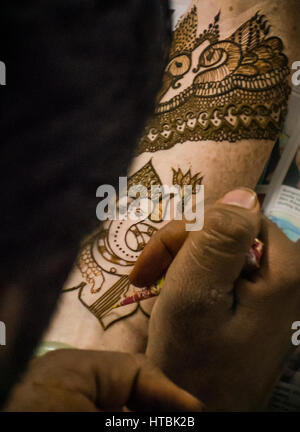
(253, 258)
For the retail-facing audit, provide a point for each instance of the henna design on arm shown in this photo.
(108, 255)
(213, 89)
(237, 88)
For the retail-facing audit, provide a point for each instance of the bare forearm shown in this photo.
(224, 94)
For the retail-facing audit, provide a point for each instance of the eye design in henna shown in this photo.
(107, 257)
(218, 90)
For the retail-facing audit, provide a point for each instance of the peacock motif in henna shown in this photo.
(213, 89)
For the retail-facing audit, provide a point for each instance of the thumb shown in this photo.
(215, 256)
(230, 228)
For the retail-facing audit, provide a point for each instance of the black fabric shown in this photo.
(81, 82)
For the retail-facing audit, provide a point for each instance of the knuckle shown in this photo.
(228, 228)
(143, 364)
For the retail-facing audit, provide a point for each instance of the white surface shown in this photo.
(179, 6)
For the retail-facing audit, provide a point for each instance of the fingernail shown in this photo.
(245, 198)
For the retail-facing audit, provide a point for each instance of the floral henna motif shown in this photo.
(239, 86)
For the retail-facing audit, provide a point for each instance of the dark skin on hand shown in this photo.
(221, 335)
(238, 327)
(92, 381)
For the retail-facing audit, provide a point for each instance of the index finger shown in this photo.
(158, 254)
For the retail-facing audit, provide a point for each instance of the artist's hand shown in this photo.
(77, 380)
(222, 336)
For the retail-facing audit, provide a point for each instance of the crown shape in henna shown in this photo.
(239, 86)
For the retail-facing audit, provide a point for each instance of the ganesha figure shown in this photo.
(108, 256)
(106, 262)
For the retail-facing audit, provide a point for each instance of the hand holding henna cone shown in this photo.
(158, 255)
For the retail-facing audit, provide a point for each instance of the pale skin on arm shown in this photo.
(222, 162)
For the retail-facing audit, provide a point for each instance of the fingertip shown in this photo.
(242, 197)
(188, 402)
(151, 265)
(158, 254)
